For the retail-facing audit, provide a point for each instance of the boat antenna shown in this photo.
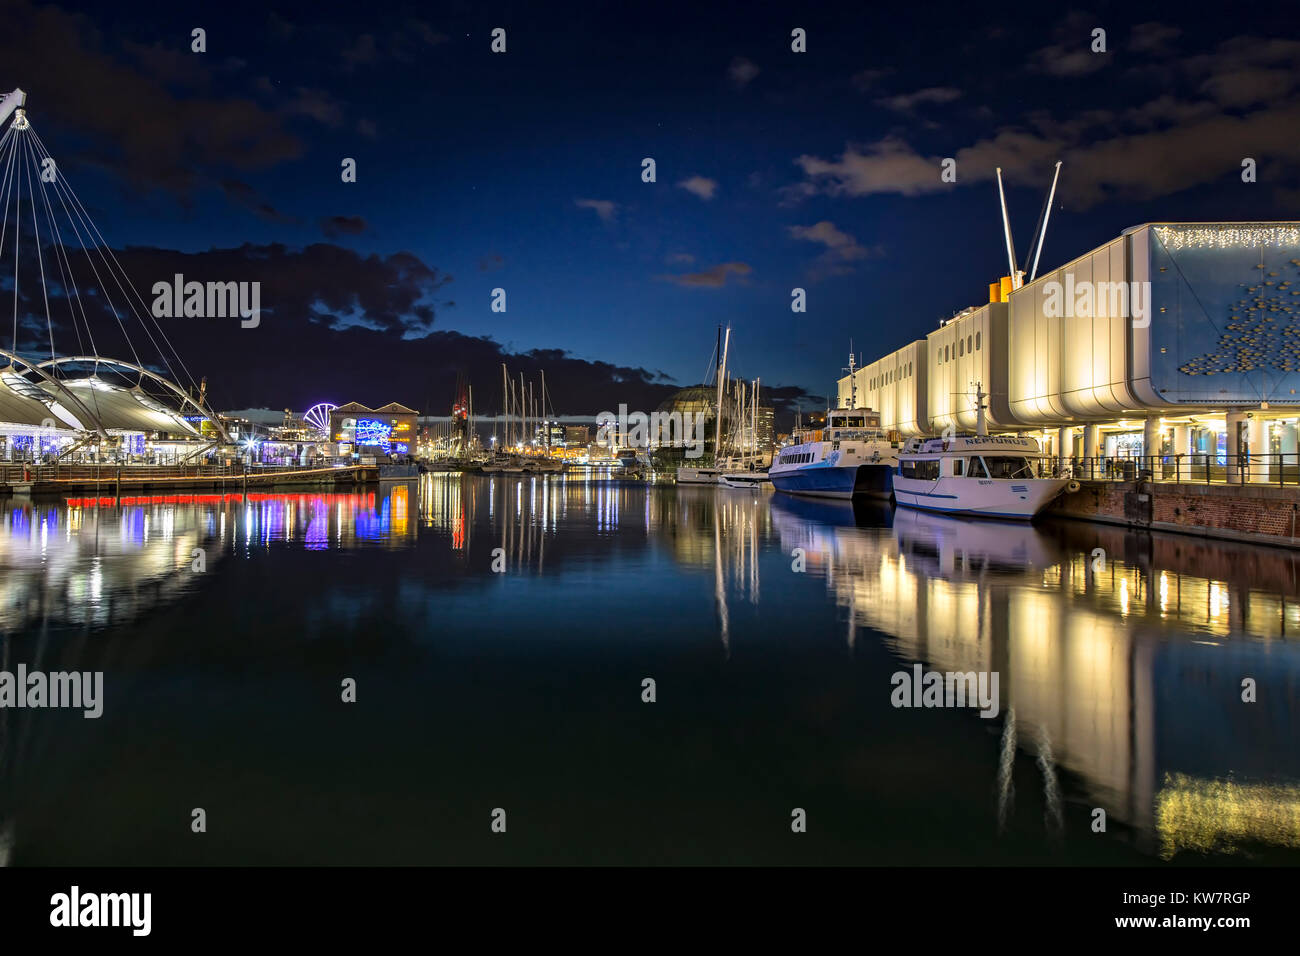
(1041, 231)
(1006, 228)
(981, 407)
(853, 380)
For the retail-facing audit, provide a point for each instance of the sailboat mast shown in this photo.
(546, 428)
(505, 405)
(722, 373)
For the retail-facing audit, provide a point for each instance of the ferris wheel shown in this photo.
(318, 416)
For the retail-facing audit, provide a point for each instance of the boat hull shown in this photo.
(755, 480)
(828, 481)
(697, 476)
(1015, 500)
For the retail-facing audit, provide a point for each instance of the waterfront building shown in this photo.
(387, 430)
(1173, 339)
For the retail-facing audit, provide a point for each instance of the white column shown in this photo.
(1256, 432)
(1182, 447)
(1150, 446)
(1290, 449)
(1234, 421)
(1089, 446)
(1062, 447)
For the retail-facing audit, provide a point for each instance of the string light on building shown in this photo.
(1226, 237)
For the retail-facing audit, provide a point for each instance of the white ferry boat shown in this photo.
(851, 456)
(978, 475)
(848, 458)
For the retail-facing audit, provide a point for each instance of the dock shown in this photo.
(54, 480)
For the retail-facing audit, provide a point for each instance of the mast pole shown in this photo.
(722, 372)
(1006, 228)
(1047, 212)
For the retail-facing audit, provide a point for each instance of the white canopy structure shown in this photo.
(77, 392)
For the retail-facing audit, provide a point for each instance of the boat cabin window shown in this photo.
(1008, 466)
(924, 470)
(977, 469)
(957, 465)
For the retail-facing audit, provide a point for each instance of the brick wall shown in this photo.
(1244, 511)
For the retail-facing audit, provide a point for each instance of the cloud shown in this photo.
(1196, 131)
(335, 325)
(335, 226)
(606, 209)
(1153, 38)
(362, 52)
(403, 41)
(907, 102)
(866, 80)
(680, 259)
(491, 263)
(842, 250)
(713, 277)
(245, 195)
(115, 103)
(1060, 60)
(741, 72)
(316, 104)
(700, 186)
(887, 166)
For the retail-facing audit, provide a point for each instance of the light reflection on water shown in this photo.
(1120, 680)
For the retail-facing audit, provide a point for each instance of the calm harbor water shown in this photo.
(521, 688)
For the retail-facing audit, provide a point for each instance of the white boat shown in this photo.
(980, 475)
(754, 480)
(851, 457)
(698, 476)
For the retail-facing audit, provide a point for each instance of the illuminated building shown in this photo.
(388, 430)
(1172, 339)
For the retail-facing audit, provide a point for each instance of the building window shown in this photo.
(960, 350)
(968, 344)
(977, 341)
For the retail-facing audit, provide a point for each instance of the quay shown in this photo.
(1250, 513)
(37, 480)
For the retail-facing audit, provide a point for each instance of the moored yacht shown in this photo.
(754, 478)
(979, 475)
(697, 476)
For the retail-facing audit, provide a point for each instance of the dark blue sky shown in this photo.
(523, 171)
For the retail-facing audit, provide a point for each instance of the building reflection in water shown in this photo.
(1120, 670)
(1122, 666)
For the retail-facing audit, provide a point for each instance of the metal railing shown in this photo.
(1270, 468)
(17, 472)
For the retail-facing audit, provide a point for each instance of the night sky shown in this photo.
(522, 171)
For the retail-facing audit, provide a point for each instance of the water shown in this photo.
(1120, 685)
